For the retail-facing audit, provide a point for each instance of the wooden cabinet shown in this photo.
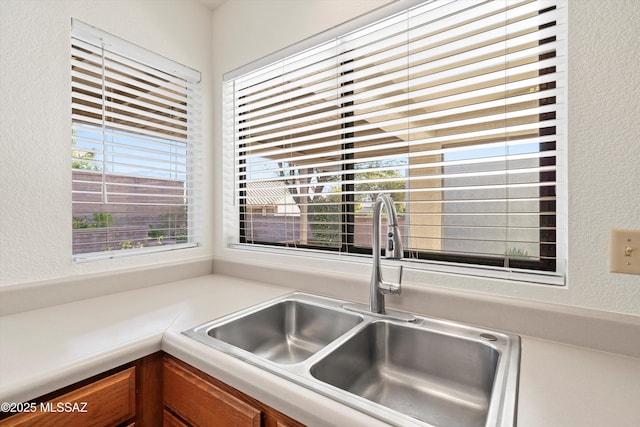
(193, 398)
(170, 420)
(202, 403)
(125, 396)
(109, 401)
(157, 390)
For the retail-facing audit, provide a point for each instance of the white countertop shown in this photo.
(43, 350)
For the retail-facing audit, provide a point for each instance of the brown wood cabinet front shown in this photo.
(153, 391)
(106, 402)
(193, 398)
(201, 403)
(130, 395)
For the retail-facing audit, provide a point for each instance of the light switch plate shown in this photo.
(624, 251)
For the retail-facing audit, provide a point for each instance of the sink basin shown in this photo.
(426, 372)
(286, 332)
(436, 378)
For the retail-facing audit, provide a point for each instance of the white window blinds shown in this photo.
(135, 147)
(454, 108)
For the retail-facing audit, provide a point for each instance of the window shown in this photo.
(134, 147)
(454, 108)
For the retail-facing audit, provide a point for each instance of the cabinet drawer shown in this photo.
(203, 404)
(106, 402)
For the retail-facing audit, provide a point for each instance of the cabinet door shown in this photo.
(201, 403)
(109, 401)
(170, 420)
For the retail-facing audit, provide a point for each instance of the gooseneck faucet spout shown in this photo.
(379, 287)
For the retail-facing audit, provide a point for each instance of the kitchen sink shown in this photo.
(286, 332)
(427, 372)
(436, 378)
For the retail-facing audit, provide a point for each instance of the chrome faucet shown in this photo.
(379, 287)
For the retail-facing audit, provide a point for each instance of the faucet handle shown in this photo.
(390, 287)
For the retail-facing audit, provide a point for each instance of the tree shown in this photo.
(82, 159)
(325, 209)
(303, 186)
(375, 181)
(325, 215)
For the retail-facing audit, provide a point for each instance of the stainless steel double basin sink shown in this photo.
(427, 372)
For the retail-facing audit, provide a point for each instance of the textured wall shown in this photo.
(604, 137)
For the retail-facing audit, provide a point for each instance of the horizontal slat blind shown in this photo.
(135, 133)
(451, 107)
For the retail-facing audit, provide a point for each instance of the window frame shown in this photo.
(154, 154)
(545, 272)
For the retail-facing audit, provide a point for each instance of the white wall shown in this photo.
(35, 124)
(35, 189)
(603, 137)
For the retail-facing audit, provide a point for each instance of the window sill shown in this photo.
(413, 270)
(122, 253)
